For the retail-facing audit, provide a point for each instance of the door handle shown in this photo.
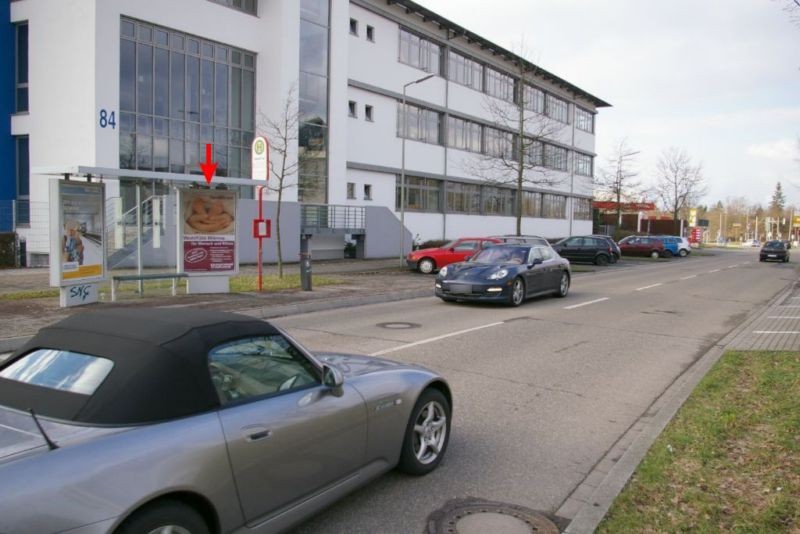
(256, 433)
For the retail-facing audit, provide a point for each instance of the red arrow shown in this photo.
(208, 167)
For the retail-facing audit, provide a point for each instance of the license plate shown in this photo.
(460, 288)
(772, 255)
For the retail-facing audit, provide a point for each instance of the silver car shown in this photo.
(147, 421)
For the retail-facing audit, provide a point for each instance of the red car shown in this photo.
(428, 260)
(642, 245)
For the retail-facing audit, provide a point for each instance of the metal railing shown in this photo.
(330, 217)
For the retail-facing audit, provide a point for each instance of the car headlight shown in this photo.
(443, 271)
(497, 275)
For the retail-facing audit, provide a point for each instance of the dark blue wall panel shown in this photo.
(8, 188)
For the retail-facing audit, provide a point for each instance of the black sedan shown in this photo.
(774, 251)
(505, 273)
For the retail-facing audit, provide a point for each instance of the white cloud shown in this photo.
(783, 149)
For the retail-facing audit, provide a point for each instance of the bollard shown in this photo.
(305, 271)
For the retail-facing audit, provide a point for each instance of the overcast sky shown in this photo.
(719, 78)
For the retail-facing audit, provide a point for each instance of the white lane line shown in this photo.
(648, 287)
(585, 303)
(714, 271)
(732, 266)
(432, 339)
(787, 306)
(782, 317)
(688, 277)
(776, 332)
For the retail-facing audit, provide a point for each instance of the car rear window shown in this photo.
(60, 369)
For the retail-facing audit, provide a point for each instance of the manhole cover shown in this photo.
(398, 325)
(473, 516)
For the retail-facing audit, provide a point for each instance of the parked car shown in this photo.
(684, 247)
(428, 260)
(614, 246)
(774, 251)
(505, 273)
(157, 420)
(755, 243)
(522, 239)
(636, 245)
(675, 246)
(586, 249)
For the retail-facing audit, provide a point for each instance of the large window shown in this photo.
(465, 71)
(21, 66)
(499, 85)
(178, 93)
(533, 99)
(419, 52)
(584, 120)
(555, 157)
(248, 6)
(499, 144)
(531, 204)
(422, 194)
(556, 108)
(554, 206)
(498, 201)
(583, 164)
(312, 186)
(463, 134)
(418, 123)
(463, 198)
(534, 153)
(22, 151)
(582, 209)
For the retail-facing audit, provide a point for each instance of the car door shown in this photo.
(535, 276)
(288, 435)
(570, 248)
(463, 249)
(552, 269)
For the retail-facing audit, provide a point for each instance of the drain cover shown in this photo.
(475, 516)
(398, 325)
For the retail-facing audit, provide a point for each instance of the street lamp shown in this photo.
(403, 171)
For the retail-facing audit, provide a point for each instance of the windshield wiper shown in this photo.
(50, 444)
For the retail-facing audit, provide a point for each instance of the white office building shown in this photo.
(138, 88)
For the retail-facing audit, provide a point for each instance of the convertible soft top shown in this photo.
(160, 364)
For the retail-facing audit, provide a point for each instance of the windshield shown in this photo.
(60, 369)
(774, 244)
(501, 255)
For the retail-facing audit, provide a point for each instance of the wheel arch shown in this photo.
(194, 500)
(430, 259)
(443, 388)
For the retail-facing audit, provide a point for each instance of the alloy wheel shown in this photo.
(430, 432)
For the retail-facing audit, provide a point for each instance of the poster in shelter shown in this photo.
(209, 231)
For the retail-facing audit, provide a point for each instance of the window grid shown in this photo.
(422, 194)
(498, 201)
(178, 93)
(582, 208)
(556, 108)
(533, 99)
(583, 164)
(354, 27)
(584, 120)
(499, 85)
(351, 190)
(555, 157)
(463, 198)
(370, 34)
(498, 143)
(419, 52)
(463, 134)
(422, 124)
(21, 67)
(531, 204)
(554, 206)
(464, 71)
(247, 6)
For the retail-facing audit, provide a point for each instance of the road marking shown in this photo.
(687, 277)
(781, 317)
(787, 306)
(585, 303)
(714, 271)
(776, 332)
(648, 287)
(432, 339)
(732, 266)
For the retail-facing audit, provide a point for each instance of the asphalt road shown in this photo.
(541, 392)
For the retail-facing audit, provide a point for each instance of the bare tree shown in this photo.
(519, 158)
(617, 181)
(679, 181)
(282, 134)
(792, 8)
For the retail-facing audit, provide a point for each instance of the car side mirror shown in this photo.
(452, 249)
(535, 262)
(333, 379)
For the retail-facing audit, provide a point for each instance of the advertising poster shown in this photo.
(209, 231)
(80, 238)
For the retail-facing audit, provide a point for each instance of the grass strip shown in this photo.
(730, 459)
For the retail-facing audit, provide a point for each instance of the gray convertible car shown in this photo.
(182, 421)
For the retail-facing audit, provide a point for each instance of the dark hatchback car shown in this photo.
(505, 273)
(637, 245)
(588, 249)
(774, 251)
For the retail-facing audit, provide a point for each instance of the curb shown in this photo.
(636, 442)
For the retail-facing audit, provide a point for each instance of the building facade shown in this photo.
(143, 85)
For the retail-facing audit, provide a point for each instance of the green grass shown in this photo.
(729, 461)
(239, 284)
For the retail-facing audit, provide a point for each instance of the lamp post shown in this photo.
(403, 171)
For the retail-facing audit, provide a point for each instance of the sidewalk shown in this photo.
(361, 282)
